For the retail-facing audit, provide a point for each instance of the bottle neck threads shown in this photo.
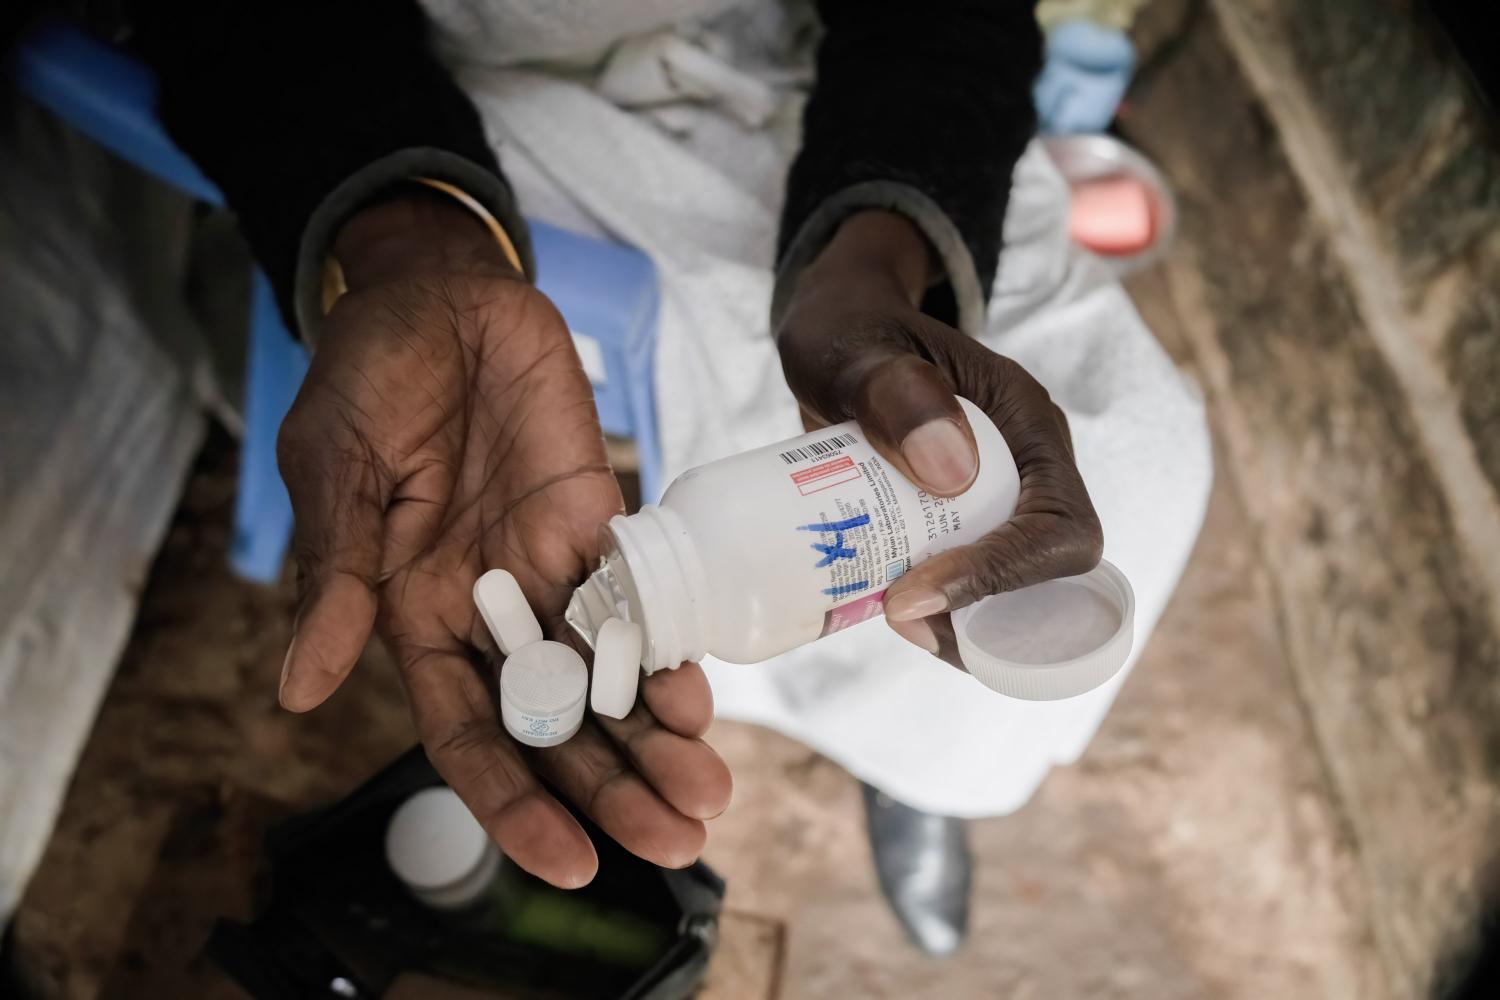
(657, 570)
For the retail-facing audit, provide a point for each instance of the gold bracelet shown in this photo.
(468, 201)
(334, 285)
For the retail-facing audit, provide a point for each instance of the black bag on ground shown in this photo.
(337, 923)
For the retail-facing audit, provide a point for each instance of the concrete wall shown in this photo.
(1341, 255)
(100, 416)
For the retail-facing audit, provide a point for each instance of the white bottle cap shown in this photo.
(505, 611)
(1052, 640)
(436, 847)
(542, 691)
(617, 668)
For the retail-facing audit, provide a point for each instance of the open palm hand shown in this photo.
(445, 428)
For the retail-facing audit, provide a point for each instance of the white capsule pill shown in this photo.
(617, 668)
(542, 690)
(505, 611)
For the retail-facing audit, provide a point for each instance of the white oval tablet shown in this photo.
(505, 611)
(542, 691)
(617, 668)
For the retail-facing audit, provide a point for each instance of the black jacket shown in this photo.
(301, 112)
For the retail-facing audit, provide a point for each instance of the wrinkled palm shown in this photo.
(446, 427)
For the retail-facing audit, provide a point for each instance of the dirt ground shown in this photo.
(1193, 852)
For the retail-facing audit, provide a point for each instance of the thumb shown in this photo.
(339, 507)
(1024, 551)
(908, 410)
(904, 404)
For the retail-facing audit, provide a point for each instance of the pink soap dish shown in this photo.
(1123, 211)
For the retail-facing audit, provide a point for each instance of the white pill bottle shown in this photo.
(752, 555)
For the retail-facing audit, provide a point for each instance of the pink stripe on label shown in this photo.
(861, 610)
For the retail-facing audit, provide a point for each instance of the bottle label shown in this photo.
(865, 523)
(861, 609)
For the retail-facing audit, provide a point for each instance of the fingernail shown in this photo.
(286, 668)
(941, 456)
(918, 633)
(918, 602)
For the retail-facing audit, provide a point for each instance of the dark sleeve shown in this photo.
(923, 109)
(302, 112)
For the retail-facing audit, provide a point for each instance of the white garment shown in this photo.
(696, 200)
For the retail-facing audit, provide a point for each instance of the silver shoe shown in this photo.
(924, 868)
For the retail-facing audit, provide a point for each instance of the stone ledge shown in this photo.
(1346, 446)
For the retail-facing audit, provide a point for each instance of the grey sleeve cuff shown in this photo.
(483, 185)
(940, 231)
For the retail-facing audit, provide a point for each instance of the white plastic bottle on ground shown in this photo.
(761, 552)
(439, 851)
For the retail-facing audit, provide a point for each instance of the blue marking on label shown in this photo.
(857, 521)
(838, 550)
(846, 588)
(833, 553)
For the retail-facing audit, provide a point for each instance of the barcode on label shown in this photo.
(817, 449)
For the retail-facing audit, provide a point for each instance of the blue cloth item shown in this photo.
(109, 97)
(606, 292)
(1087, 69)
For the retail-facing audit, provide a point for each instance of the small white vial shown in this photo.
(543, 688)
(438, 850)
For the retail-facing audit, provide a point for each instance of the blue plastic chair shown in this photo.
(609, 295)
(607, 292)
